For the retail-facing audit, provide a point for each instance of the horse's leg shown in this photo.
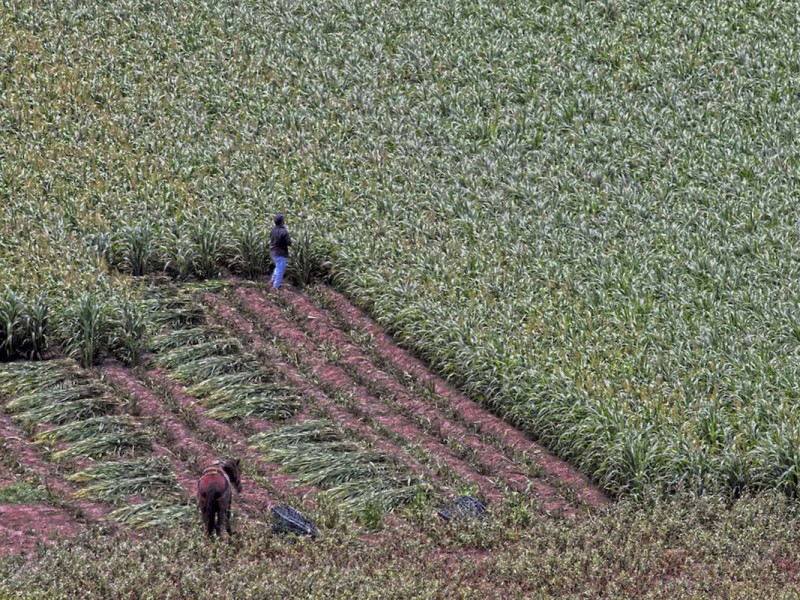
(225, 511)
(207, 509)
(220, 516)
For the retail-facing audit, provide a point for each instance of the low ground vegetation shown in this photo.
(685, 548)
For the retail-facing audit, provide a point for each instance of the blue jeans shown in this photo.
(280, 267)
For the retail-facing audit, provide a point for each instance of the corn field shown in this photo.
(584, 213)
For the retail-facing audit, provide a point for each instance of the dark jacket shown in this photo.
(279, 242)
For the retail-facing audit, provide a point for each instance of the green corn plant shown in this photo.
(84, 328)
(178, 338)
(180, 256)
(129, 333)
(86, 428)
(305, 432)
(109, 443)
(102, 244)
(250, 250)
(21, 378)
(23, 326)
(319, 453)
(37, 328)
(135, 248)
(185, 355)
(211, 248)
(273, 403)
(12, 316)
(248, 374)
(306, 262)
(243, 367)
(167, 308)
(59, 405)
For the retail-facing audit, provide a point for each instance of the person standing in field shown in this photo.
(279, 242)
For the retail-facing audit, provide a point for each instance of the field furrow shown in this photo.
(514, 439)
(25, 517)
(320, 327)
(271, 318)
(22, 526)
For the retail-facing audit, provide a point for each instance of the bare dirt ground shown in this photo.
(23, 525)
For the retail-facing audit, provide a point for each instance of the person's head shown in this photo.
(279, 220)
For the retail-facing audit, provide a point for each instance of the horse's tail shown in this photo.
(210, 510)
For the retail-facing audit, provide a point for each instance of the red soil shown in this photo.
(322, 328)
(293, 377)
(254, 499)
(28, 455)
(468, 410)
(272, 318)
(22, 526)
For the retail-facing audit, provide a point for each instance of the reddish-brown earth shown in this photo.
(23, 526)
(269, 316)
(348, 420)
(285, 486)
(466, 440)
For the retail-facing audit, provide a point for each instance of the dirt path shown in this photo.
(468, 410)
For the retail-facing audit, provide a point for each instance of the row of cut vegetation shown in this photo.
(76, 418)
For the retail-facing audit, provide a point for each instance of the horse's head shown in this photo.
(231, 467)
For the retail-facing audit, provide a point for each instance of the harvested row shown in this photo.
(271, 317)
(29, 456)
(291, 374)
(468, 410)
(257, 500)
(285, 485)
(320, 326)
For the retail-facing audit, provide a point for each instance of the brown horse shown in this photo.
(214, 494)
